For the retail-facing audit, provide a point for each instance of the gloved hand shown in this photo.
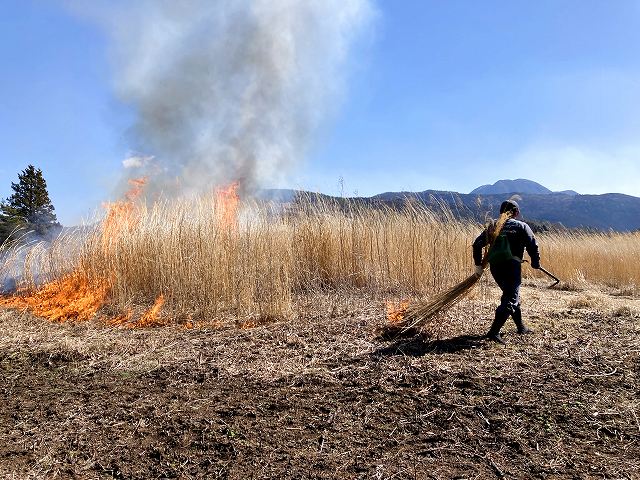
(535, 265)
(479, 270)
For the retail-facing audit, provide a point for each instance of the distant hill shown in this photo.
(611, 211)
(603, 212)
(278, 195)
(520, 185)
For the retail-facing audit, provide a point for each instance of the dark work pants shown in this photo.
(508, 276)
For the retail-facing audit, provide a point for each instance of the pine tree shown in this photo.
(29, 207)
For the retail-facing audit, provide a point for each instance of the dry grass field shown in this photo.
(212, 257)
(264, 360)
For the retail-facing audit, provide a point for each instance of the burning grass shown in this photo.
(71, 297)
(150, 317)
(216, 257)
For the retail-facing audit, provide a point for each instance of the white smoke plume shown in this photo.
(227, 90)
(137, 161)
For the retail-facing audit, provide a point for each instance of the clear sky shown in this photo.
(444, 95)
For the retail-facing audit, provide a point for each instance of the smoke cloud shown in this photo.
(227, 90)
(137, 161)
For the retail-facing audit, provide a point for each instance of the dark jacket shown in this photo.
(520, 237)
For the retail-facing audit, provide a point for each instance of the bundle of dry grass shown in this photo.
(424, 317)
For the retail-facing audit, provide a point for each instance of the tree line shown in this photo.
(28, 213)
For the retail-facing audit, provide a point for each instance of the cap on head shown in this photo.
(509, 206)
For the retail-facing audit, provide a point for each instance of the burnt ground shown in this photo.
(321, 397)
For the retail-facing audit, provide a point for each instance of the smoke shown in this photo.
(227, 90)
(26, 257)
(137, 161)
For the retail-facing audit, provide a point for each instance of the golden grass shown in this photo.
(256, 268)
(608, 259)
(585, 302)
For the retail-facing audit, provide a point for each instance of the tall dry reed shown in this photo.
(598, 258)
(256, 267)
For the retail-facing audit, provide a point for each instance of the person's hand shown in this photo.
(535, 265)
(479, 270)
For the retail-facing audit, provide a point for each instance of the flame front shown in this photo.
(71, 297)
(226, 204)
(121, 215)
(150, 317)
(121, 320)
(75, 296)
(395, 311)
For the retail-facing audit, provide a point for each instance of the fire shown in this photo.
(74, 296)
(136, 189)
(248, 325)
(121, 215)
(123, 319)
(71, 297)
(150, 317)
(395, 311)
(226, 204)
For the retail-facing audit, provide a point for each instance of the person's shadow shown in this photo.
(418, 346)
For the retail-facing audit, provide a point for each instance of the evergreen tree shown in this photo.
(29, 207)
(7, 226)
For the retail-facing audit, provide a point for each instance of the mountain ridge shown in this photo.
(609, 211)
(519, 185)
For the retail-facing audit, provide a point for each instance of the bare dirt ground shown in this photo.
(321, 397)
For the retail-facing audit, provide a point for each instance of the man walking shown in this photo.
(505, 260)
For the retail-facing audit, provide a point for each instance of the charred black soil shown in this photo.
(321, 397)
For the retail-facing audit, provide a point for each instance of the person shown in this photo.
(507, 272)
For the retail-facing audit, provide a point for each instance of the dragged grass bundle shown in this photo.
(424, 317)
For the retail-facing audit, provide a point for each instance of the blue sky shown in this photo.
(440, 95)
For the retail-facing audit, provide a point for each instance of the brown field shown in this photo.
(265, 363)
(321, 397)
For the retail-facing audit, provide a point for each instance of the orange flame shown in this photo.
(248, 325)
(74, 296)
(71, 297)
(121, 215)
(123, 319)
(395, 311)
(150, 317)
(136, 189)
(226, 203)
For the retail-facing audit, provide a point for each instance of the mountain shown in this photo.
(611, 211)
(277, 195)
(521, 185)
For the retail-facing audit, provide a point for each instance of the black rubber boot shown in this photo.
(494, 331)
(517, 318)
